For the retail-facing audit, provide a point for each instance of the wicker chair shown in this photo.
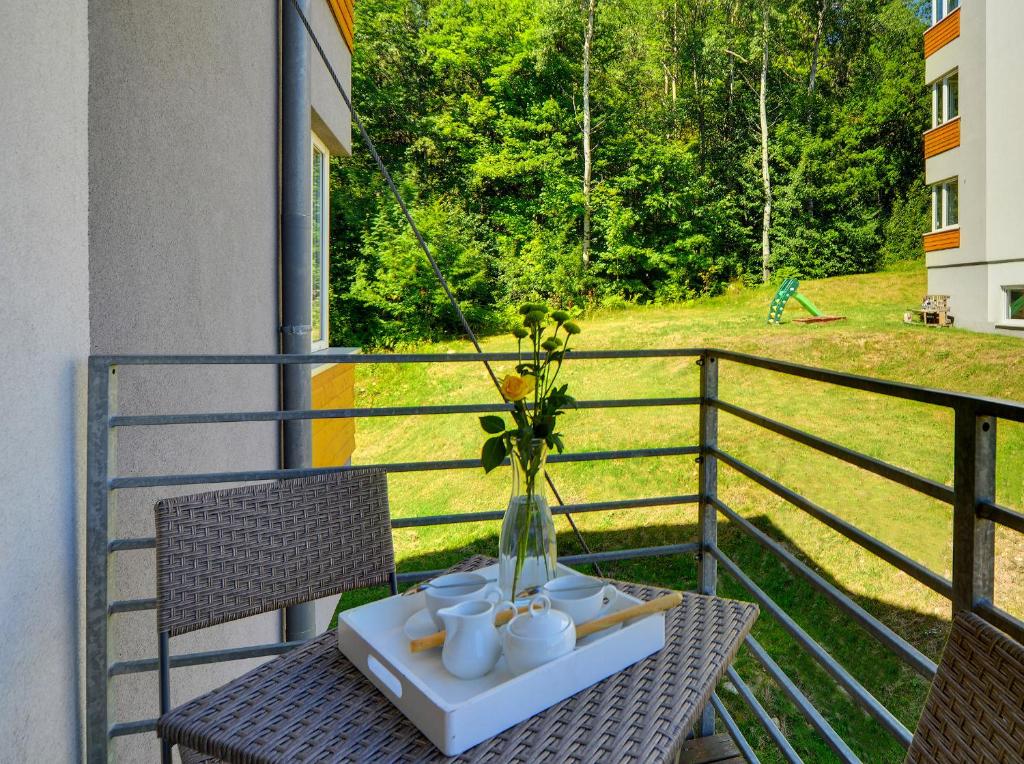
(975, 708)
(225, 555)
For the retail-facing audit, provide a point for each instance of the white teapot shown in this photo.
(537, 636)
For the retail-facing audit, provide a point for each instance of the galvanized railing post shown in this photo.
(100, 453)
(707, 565)
(974, 478)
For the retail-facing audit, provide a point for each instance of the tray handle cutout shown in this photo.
(380, 671)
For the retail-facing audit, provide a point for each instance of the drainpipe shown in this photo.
(295, 266)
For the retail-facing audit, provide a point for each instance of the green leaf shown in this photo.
(493, 453)
(492, 424)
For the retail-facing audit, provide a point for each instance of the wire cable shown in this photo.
(382, 168)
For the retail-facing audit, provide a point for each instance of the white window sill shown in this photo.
(1011, 324)
(329, 355)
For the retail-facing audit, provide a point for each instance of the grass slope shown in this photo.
(872, 341)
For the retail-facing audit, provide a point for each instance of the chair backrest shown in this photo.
(975, 708)
(228, 554)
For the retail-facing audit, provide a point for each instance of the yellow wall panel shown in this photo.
(334, 440)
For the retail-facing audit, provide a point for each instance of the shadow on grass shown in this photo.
(882, 673)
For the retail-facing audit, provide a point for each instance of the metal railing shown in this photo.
(972, 497)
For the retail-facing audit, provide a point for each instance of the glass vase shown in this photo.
(527, 551)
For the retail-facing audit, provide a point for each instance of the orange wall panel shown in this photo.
(942, 138)
(942, 34)
(344, 14)
(334, 440)
(942, 240)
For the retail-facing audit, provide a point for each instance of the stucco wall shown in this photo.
(44, 312)
(183, 214)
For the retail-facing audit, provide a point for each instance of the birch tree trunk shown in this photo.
(590, 8)
(816, 46)
(766, 247)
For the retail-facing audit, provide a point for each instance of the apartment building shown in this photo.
(142, 171)
(974, 161)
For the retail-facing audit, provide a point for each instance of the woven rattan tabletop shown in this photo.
(312, 704)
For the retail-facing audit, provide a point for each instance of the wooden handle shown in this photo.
(437, 638)
(665, 602)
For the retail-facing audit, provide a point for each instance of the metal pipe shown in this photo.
(143, 665)
(295, 263)
(843, 678)
(763, 717)
(1002, 515)
(888, 471)
(985, 405)
(386, 358)
(164, 661)
(150, 481)
(910, 654)
(810, 713)
(221, 417)
(734, 731)
(101, 451)
(878, 548)
(149, 542)
(580, 559)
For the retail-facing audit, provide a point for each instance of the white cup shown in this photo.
(453, 588)
(579, 597)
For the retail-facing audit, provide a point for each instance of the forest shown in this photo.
(598, 152)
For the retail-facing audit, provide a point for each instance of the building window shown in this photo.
(945, 205)
(945, 99)
(1014, 303)
(320, 231)
(942, 8)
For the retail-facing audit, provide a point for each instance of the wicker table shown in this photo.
(312, 704)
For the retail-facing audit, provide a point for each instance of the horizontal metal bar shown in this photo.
(880, 549)
(131, 606)
(149, 481)
(129, 545)
(132, 728)
(122, 668)
(899, 475)
(630, 554)
(910, 654)
(370, 412)
(1000, 619)
(763, 717)
(364, 358)
(564, 509)
(734, 730)
(856, 690)
(791, 691)
(1002, 515)
(149, 542)
(982, 405)
(579, 559)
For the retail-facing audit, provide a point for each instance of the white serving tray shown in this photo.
(456, 714)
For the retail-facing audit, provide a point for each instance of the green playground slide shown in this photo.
(786, 290)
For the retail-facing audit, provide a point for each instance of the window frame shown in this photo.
(942, 8)
(941, 100)
(317, 145)
(1005, 318)
(940, 203)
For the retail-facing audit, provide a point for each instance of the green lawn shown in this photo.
(873, 341)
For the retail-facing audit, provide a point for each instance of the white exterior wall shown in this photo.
(989, 164)
(1004, 156)
(44, 312)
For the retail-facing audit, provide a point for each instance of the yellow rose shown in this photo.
(515, 388)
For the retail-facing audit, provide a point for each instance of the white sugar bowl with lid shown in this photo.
(536, 637)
